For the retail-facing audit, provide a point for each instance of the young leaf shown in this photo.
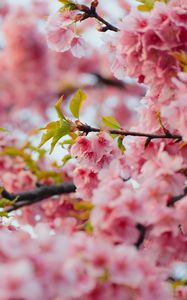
(55, 130)
(6, 202)
(51, 128)
(2, 129)
(111, 122)
(76, 103)
(63, 130)
(147, 5)
(67, 142)
(89, 227)
(4, 214)
(58, 108)
(68, 5)
(66, 158)
(120, 145)
(83, 205)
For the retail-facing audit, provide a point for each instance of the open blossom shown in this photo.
(123, 232)
(95, 152)
(86, 181)
(61, 34)
(4, 8)
(145, 44)
(74, 261)
(26, 65)
(175, 113)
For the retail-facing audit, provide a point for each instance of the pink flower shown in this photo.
(145, 43)
(61, 35)
(78, 47)
(97, 152)
(86, 181)
(4, 8)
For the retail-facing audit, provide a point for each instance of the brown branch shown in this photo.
(100, 81)
(108, 26)
(87, 129)
(177, 198)
(39, 194)
(90, 12)
(142, 231)
(109, 81)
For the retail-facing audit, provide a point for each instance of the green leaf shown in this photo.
(55, 130)
(51, 128)
(68, 5)
(67, 142)
(66, 158)
(58, 108)
(6, 202)
(148, 5)
(2, 129)
(177, 283)
(83, 205)
(120, 145)
(63, 130)
(4, 214)
(89, 227)
(76, 103)
(111, 122)
(66, 2)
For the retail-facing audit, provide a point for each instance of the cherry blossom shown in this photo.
(104, 217)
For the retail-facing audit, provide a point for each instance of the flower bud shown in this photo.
(95, 3)
(83, 8)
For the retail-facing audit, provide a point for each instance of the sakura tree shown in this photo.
(93, 151)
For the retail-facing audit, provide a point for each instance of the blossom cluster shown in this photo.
(147, 44)
(93, 154)
(37, 75)
(122, 233)
(76, 266)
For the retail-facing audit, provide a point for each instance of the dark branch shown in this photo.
(177, 198)
(39, 194)
(109, 81)
(90, 12)
(100, 81)
(87, 129)
(108, 26)
(142, 231)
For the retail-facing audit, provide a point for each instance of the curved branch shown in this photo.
(39, 194)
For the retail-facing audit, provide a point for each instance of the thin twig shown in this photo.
(177, 198)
